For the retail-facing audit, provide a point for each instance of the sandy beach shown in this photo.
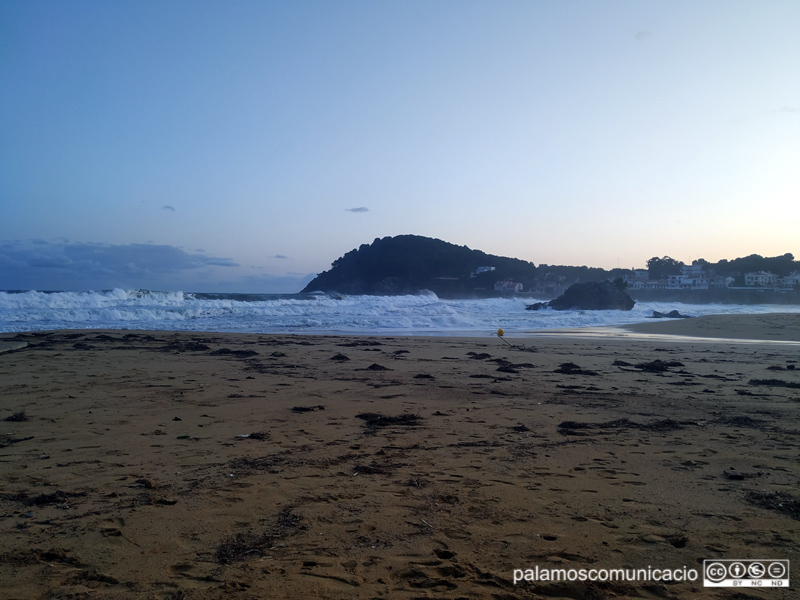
(140, 464)
(769, 327)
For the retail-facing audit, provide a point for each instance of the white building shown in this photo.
(721, 282)
(637, 275)
(761, 279)
(656, 284)
(692, 277)
(674, 282)
(507, 287)
(480, 270)
(792, 280)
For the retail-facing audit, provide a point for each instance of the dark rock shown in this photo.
(777, 501)
(234, 353)
(358, 343)
(17, 417)
(673, 314)
(570, 368)
(303, 409)
(775, 383)
(732, 473)
(378, 420)
(658, 365)
(593, 295)
(537, 306)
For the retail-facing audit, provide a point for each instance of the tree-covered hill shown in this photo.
(783, 265)
(406, 264)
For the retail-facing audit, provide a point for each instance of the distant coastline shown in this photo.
(719, 296)
(412, 264)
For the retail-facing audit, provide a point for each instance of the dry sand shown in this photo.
(123, 473)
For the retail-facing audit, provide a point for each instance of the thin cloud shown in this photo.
(358, 209)
(58, 265)
(642, 36)
(280, 256)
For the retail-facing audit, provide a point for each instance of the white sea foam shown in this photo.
(416, 315)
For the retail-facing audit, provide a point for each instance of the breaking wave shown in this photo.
(313, 313)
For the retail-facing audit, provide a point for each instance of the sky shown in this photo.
(242, 146)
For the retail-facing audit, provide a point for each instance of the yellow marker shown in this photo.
(500, 334)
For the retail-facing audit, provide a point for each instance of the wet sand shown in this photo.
(784, 327)
(391, 467)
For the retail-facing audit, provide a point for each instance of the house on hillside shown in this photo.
(674, 282)
(791, 281)
(721, 282)
(691, 277)
(761, 279)
(480, 270)
(656, 284)
(637, 278)
(507, 287)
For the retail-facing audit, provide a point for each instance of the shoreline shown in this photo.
(754, 328)
(766, 327)
(776, 328)
(187, 464)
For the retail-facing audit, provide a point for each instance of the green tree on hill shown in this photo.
(661, 268)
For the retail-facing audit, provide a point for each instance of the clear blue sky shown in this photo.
(204, 145)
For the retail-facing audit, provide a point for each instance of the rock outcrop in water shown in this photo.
(593, 295)
(673, 314)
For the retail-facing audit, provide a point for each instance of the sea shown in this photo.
(418, 315)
